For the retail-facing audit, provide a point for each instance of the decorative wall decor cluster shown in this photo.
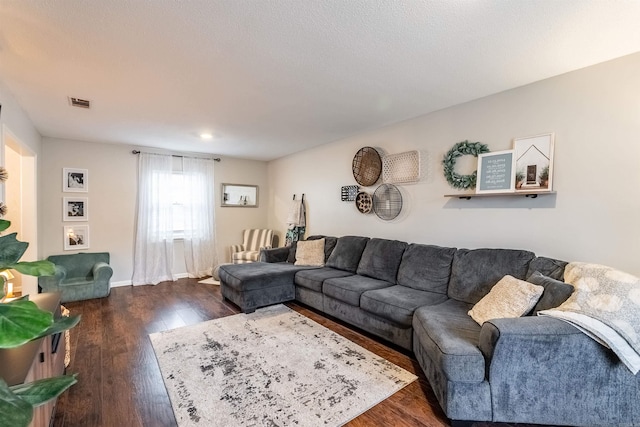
(75, 237)
(527, 169)
(401, 168)
(460, 149)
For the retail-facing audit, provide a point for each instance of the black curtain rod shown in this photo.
(216, 159)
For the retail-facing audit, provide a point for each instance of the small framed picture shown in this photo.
(495, 172)
(76, 237)
(534, 162)
(75, 209)
(75, 180)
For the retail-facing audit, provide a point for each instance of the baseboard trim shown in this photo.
(129, 283)
(121, 283)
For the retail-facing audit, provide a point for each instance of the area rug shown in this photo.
(273, 367)
(210, 281)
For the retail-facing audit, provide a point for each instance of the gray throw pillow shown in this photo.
(555, 292)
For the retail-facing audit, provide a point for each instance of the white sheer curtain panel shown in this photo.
(199, 217)
(153, 257)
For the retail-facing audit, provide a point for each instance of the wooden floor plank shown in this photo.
(120, 383)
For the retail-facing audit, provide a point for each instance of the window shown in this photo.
(178, 200)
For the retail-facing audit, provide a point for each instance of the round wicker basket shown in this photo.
(364, 202)
(367, 166)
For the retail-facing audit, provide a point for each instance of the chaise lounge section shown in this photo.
(520, 370)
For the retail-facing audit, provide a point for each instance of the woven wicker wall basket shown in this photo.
(367, 166)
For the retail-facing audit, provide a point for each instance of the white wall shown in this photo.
(112, 201)
(595, 114)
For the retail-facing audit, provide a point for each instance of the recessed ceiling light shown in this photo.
(206, 135)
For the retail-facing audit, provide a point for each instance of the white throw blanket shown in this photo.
(606, 306)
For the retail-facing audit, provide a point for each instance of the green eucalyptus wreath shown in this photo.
(449, 162)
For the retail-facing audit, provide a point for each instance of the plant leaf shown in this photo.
(21, 321)
(11, 250)
(59, 325)
(41, 391)
(15, 411)
(4, 224)
(35, 268)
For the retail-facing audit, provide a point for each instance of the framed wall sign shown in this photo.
(76, 237)
(75, 209)
(75, 180)
(495, 172)
(534, 162)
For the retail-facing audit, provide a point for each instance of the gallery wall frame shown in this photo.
(495, 172)
(76, 237)
(534, 162)
(75, 208)
(75, 180)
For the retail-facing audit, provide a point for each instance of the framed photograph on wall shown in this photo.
(534, 162)
(76, 237)
(495, 172)
(75, 180)
(75, 209)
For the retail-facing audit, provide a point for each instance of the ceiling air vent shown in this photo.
(78, 102)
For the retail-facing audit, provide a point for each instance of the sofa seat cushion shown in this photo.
(426, 267)
(397, 303)
(381, 259)
(475, 271)
(350, 289)
(312, 279)
(245, 256)
(347, 252)
(258, 275)
(76, 281)
(450, 337)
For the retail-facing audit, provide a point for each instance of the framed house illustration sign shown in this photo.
(534, 162)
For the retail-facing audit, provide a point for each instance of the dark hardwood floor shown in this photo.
(119, 382)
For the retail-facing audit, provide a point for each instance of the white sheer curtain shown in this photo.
(153, 257)
(199, 216)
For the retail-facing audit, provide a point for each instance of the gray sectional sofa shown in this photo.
(531, 369)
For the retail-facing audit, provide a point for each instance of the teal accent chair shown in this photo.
(79, 276)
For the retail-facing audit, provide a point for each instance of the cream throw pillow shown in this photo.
(510, 297)
(310, 252)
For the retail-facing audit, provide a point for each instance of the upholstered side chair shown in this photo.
(79, 276)
(252, 241)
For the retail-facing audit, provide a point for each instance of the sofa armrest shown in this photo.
(546, 371)
(237, 248)
(274, 255)
(102, 272)
(525, 331)
(52, 283)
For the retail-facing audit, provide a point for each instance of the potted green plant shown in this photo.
(22, 321)
(519, 178)
(544, 177)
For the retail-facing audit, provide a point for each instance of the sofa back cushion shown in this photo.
(346, 255)
(80, 264)
(381, 259)
(475, 271)
(549, 267)
(426, 267)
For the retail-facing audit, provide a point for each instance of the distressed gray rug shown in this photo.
(273, 367)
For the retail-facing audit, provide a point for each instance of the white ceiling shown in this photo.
(272, 77)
